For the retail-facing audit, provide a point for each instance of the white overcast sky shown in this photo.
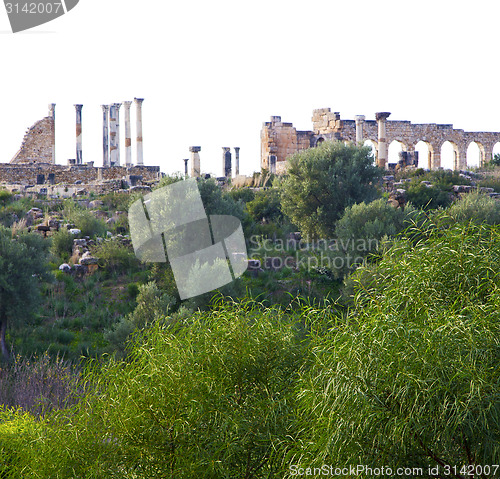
(211, 72)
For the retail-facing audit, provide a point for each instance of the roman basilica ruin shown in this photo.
(279, 140)
(33, 168)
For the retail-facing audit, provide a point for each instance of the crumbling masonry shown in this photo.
(280, 140)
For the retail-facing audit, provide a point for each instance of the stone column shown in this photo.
(112, 134)
(105, 135)
(226, 162)
(360, 119)
(117, 107)
(460, 158)
(52, 116)
(186, 167)
(128, 139)
(79, 159)
(195, 160)
(236, 160)
(436, 156)
(138, 106)
(381, 118)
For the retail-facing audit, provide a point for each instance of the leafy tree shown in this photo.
(245, 195)
(411, 378)
(22, 265)
(321, 182)
(496, 159)
(266, 205)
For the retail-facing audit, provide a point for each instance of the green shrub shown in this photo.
(266, 205)
(17, 430)
(62, 244)
(208, 399)
(373, 221)
(475, 207)
(115, 256)
(428, 198)
(411, 377)
(491, 182)
(5, 197)
(243, 195)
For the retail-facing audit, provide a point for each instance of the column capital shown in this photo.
(359, 118)
(78, 107)
(105, 108)
(382, 115)
(138, 101)
(194, 149)
(236, 148)
(117, 105)
(226, 149)
(127, 104)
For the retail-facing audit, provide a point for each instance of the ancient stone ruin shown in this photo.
(38, 145)
(279, 140)
(33, 168)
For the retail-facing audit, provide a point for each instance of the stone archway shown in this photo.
(373, 145)
(496, 150)
(424, 150)
(449, 155)
(475, 155)
(395, 147)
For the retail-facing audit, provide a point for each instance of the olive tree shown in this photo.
(22, 266)
(321, 182)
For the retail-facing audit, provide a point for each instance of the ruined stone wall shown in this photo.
(281, 139)
(38, 143)
(27, 174)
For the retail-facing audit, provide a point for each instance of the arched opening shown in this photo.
(449, 152)
(473, 155)
(496, 151)
(424, 154)
(373, 146)
(319, 141)
(394, 149)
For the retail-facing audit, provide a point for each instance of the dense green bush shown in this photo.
(428, 197)
(5, 197)
(321, 182)
(115, 257)
(475, 207)
(266, 206)
(62, 244)
(209, 399)
(373, 221)
(87, 223)
(411, 378)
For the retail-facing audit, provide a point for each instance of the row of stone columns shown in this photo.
(226, 161)
(111, 133)
(434, 159)
(227, 169)
(382, 152)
